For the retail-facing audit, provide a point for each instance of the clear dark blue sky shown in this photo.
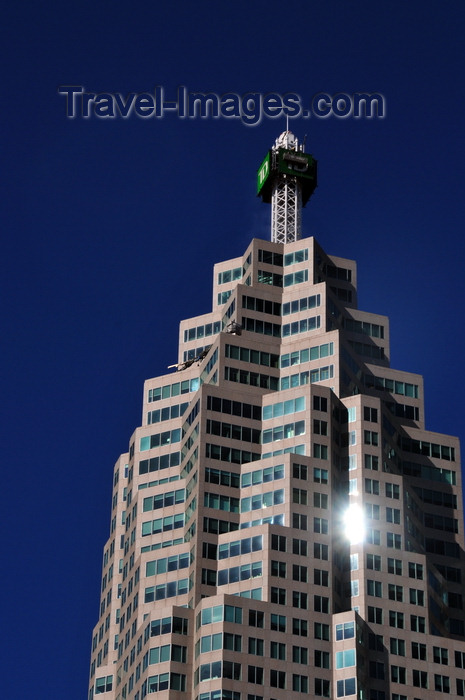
(110, 230)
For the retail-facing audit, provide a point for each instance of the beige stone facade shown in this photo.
(234, 568)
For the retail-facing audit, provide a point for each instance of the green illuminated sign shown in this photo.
(293, 163)
(263, 172)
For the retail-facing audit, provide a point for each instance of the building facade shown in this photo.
(283, 525)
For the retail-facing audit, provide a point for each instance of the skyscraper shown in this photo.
(283, 524)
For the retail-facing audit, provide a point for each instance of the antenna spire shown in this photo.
(286, 179)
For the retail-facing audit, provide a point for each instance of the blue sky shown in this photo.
(111, 228)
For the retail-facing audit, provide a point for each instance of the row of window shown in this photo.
(309, 377)
(203, 331)
(364, 327)
(176, 389)
(168, 437)
(230, 275)
(170, 522)
(303, 326)
(166, 590)
(173, 563)
(277, 280)
(284, 408)
(163, 462)
(271, 258)
(391, 385)
(163, 500)
(263, 306)
(233, 432)
(167, 413)
(261, 476)
(307, 355)
(233, 408)
(293, 307)
(428, 449)
(229, 454)
(283, 432)
(256, 357)
(264, 381)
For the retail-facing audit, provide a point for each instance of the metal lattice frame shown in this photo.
(286, 211)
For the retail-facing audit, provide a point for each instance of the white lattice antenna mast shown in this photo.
(286, 179)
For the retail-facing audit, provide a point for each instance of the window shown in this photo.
(396, 619)
(278, 623)
(300, 655)
(370, 414)
(375, 588)
(395, 592)
(320, 427)
(372, 486)
(415, 570)
(321, 631)
(374, 562)
(320, 525)
(277, 679)
(320, 603)
(320, 551)
(299, 547)
(393, 515)
(256, 618)
(441, 683)
(299, 521)
(440, 656)
(345, 658)
(417, 597)
(394, 566)
(370, 437)
(299, 496)
(320, 476)
(392, 491)
(278, 595)
(299, 573)
(320, 577)
(278, 651)
(320, 500)
(373, 536)
(460, 659)
(375, 615)
(346, 630)
(299, 683)
(397, 646)
(398, 674)
(300, 627)
(278, 543)
(320, 451)
(346, 687)
(322, 687)
(371, 462)
(372, 511)
(377, 670)
(417, 623)
(255, 674)
(393, 540)
(420, 679)
(375, 642)
(419, 651)
(321, 658)
(278, 568)
(256, 646)
(320, 404)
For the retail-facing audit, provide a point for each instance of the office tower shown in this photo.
(283, 525)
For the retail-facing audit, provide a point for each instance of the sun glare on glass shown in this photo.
(354, 524)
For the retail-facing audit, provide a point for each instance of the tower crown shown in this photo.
(286, 179)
